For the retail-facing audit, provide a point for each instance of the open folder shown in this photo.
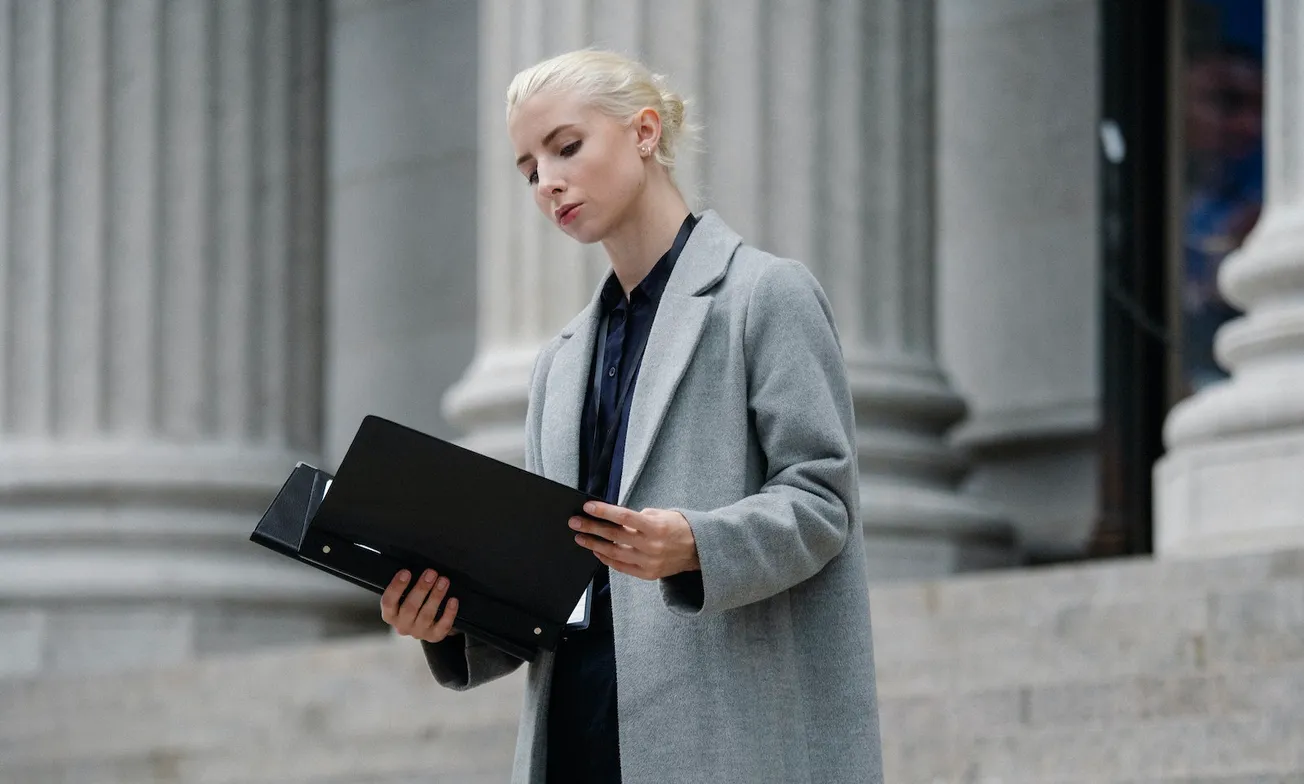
(406, 500)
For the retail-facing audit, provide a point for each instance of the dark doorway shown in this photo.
(1182, 176)
(1136, 333)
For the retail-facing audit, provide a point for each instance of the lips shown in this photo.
(566, 212)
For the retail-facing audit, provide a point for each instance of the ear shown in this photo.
(647, 128)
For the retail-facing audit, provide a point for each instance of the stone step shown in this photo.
(318, 699)
(1167, 749)
(1043, 591)
(998, 679)
(1256, 691)
(1264, 778)
(1279, 601)
(455, 757)
(1255, 626)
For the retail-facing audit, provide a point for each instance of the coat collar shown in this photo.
(700, 266)
(676, 330)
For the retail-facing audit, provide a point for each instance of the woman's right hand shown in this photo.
(415, 617)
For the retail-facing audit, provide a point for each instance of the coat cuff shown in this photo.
(686, 593)
(463, 662)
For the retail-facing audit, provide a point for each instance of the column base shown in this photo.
(126, 555)
(98, 635)
(489, 403)
(910, 474)
(890, 558)
(1239, 494)
(917, 533)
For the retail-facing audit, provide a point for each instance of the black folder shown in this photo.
(402, 499)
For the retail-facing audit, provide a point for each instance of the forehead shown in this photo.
(536, 117)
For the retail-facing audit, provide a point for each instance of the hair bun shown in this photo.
(672, 114)
(614, 84)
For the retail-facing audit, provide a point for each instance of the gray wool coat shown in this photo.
(759, 668)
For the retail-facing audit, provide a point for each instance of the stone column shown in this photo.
(160, 291)
(874, 240)
(532, 279)
(401, 227)
(1233, 479)
(1018, 257)
(818, 146)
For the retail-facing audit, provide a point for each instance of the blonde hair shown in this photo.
(616, 85)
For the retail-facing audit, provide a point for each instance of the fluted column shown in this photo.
(1233, 479)
(879, 267)
(818, 146)
(160, 264)
(532, 279)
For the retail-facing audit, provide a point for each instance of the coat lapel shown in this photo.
(675, 333)
(680, 320)
(567, 383)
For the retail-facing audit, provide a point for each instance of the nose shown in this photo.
(550, 183)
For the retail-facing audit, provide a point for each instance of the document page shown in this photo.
(578, 615)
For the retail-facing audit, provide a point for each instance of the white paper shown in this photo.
(577, 614)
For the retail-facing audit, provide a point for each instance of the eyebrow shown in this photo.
(546, 140)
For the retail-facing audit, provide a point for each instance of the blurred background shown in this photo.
(1063, 239)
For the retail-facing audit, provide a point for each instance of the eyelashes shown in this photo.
(566, 152)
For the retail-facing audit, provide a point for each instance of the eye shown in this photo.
(532, 177)
(570, 149)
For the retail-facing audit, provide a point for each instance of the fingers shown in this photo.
(407, 614)
(616, 514)
(615, 552)
(389, 599)
(634, 570)
(425, 620)
(445, 625)
(415, 615)
(608, 531)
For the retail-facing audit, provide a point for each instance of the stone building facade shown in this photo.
(231, 228)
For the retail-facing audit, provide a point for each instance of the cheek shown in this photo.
(628, 177)
(541, 202)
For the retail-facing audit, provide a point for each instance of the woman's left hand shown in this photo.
(650, 544)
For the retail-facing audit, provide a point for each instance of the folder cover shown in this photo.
(402, 499)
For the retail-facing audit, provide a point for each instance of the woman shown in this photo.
(704, 387)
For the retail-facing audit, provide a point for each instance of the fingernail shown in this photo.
(403, 576)
(430, 576)
(443, 583)
(590, 508)
(579, 540)
(575, 523)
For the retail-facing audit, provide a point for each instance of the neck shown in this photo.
(636, 245)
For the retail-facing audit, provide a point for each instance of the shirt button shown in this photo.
(611, 373)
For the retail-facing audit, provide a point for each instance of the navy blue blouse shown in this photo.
(583, 737)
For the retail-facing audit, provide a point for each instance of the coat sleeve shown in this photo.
(463, 662)
(800, 402)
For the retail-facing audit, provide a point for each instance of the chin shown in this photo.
(586, 234)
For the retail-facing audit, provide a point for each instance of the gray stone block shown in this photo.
(1013, 659)
(1277, 778)
(1038, 592)
(1145, 750)
(1146, 697)
(226, 719)
(908, 638)
(22, 634)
